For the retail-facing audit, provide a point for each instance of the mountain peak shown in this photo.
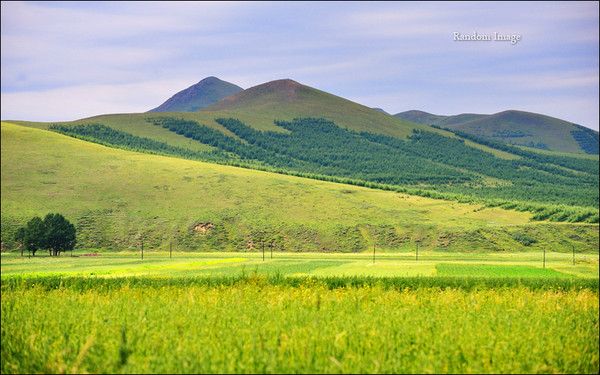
(281, 90)
(210, 79)
(280, 85)
(202, 94)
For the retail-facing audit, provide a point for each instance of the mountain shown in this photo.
(291, 128)
(204, 93)
(203, 206)
(286, 99)
(516, 127)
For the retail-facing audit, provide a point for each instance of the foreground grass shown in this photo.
(277, 324)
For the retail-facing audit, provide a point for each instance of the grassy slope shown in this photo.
(558, 153)
(421, 117)
(117, 197)
(553, 132)
(259, 106)
(286, 99)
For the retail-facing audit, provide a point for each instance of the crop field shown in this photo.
(397, 264)
(258, 324)
(305, 312)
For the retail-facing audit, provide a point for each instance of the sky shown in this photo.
(64, 61)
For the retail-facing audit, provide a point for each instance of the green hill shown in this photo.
(291, 128)
(421, 117)
(286, 99)
(204, 93)
(380, 110)
(119, 198)
(516, 127)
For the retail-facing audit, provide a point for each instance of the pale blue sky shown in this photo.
(62, 61)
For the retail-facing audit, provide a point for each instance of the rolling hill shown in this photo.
(204, 93)
(516, 127)
(286, 99)
(291, 128)
(119, 198)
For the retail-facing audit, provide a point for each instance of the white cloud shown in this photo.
(392, 55)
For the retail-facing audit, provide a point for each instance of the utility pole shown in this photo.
(544, 258)
(142, 249)
(271, 245)
(373, 253)
(417, 254)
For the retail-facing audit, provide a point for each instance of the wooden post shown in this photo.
(417, 255)
(142, 250)
(271, 250)
(373, 253)
(263, 249)
(171, 250)
(573, 246)
(544, 258)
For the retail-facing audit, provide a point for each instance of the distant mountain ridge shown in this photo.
(203, 94)
(516, 127)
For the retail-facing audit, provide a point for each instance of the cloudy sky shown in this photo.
(62, 61)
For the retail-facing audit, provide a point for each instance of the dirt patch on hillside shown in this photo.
(204, 228)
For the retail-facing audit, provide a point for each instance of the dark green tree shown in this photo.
(20, 238)
(32, 235)
(59, 234)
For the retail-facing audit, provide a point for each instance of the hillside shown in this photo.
(118, 198)
(286, 99)
(380, 110)
(291, 128)
(204, 93)
(421, 117)
(516, 127)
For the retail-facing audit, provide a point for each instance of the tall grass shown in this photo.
(266, 325)
(83, 284)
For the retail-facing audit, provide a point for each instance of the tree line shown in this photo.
(53, 233)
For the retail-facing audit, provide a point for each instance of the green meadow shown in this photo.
(397, 264)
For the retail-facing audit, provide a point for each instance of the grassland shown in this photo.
(300, 313)
(397, 264)
(118, 199)
(253, 325)
(489, 291)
